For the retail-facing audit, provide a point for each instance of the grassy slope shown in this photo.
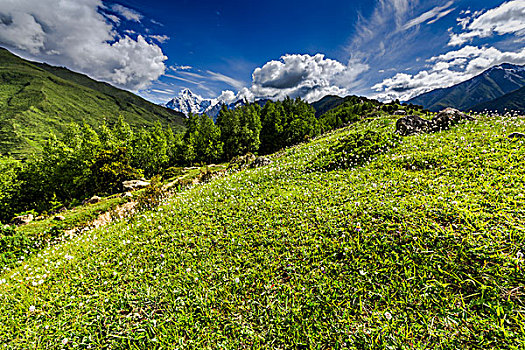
(36, 99)
(514, 101)
(417, 249)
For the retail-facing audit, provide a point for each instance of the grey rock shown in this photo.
(447, 118)
(135, 185)
(59, 218)
(127, 195)
(400, 112)
(92, 200)
(22, 219)
(516, 135)
(260, 161)
(412, 124)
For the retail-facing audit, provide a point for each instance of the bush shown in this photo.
(152, 195)
(356, 149)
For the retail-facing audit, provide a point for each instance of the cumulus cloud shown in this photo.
(508, 18)
(75, 33)
(305, 76)
(446, 70)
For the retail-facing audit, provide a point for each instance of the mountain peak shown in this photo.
(489, 85)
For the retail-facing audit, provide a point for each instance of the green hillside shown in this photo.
(514, 101)
(419, 246)
(37, 99)
(491, 84)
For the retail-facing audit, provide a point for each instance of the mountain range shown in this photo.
(188, 102)
(490, 85)
(37, 100)
(514, 101)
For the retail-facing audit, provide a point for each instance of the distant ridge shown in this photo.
(489, 85)
(37, 99)
(514, 101)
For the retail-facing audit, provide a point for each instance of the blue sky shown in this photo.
(272, 49)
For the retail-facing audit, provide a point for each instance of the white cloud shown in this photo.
(508, 18)
(75, 34)
(446, 70)
(431, 16)
(227, 97)
(305, 76)
(160, 38)
(127, 13)
(225, 79)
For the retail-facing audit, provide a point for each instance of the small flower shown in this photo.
(519, 255)
(388, 316)
(32, 308)
(237, 280)
(64, 341)
(188, 270)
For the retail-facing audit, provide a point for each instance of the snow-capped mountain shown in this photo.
(187, 102)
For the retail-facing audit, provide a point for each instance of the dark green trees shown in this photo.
(287, 123)
(240, 130)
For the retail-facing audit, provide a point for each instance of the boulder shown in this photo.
(22, 219)
(412, 124)
(260, 161)
(516, 135)
(447, 118)
(127, 195)
(59, 218)
(400, 112)
(241, 162)
(92, 200)
(133, 185)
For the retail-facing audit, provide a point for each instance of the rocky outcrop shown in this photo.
(22, 220)
(92, 200)
(241, 162)
(133, 185)
(412, 124)
(516, 135)
(260, 161)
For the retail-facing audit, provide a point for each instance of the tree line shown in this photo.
(85, 161)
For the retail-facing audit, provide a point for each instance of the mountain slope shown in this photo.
(491, 84)
(327, 103)
(514, 101)
(37, 99)
(419, 246)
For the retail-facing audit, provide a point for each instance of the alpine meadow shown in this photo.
(166, 182)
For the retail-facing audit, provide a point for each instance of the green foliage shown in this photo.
(109, 169)
(357, 148)
(202, 140)
(287, 123)
(372, 257)
(240, 129)
(9, 187)
(37, 100)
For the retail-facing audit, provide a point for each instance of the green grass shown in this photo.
(419, 248)
(38, 99)
(31, 238)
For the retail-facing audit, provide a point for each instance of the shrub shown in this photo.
(356, 149)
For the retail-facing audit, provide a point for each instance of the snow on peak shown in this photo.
(188, 102)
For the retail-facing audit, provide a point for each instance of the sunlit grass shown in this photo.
(419, 247)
